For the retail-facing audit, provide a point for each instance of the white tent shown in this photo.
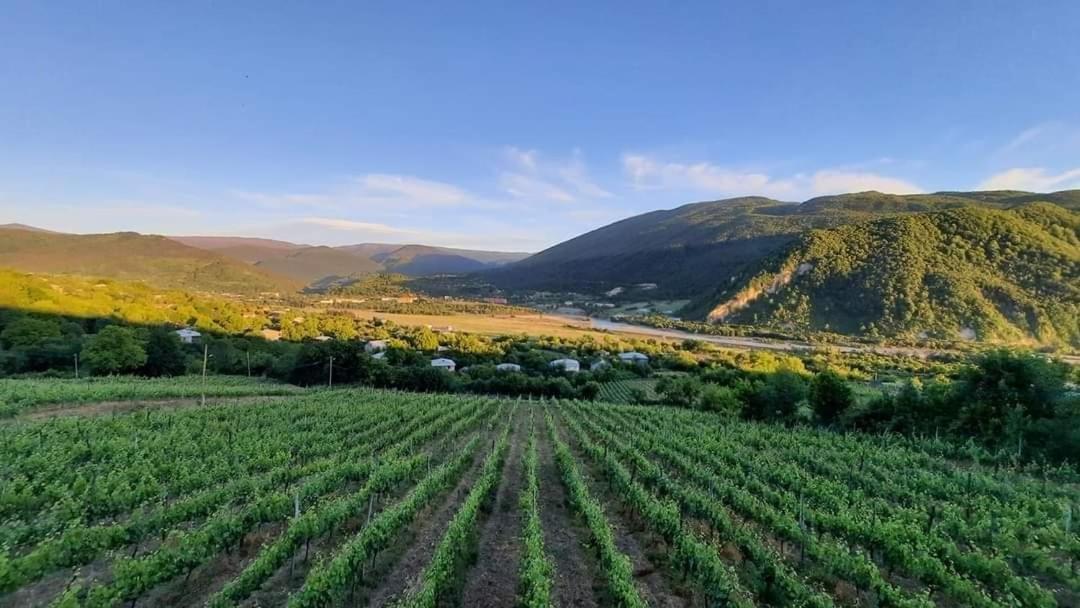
(633, 357)
(188, 335)
(442, 363)
(567, 365)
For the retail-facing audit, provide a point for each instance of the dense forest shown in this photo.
(968, 273)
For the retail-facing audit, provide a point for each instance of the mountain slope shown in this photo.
(311, 264)
(693, 248)
(157, 260)
(246, 249)
(318, 265)
(970, 273)
(425, 260)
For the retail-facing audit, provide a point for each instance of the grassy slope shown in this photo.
(158, 260)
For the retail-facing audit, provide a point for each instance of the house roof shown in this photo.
(442, 362)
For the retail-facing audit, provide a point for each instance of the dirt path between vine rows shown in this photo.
(108, 408)
(492, 581)
(576, 579)
(400, 567)
(645, 550)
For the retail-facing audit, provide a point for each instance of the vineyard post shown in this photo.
(248, 353)
(205, 356)
(76, 366)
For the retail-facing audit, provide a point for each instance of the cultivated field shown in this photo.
(53, 395)
(364, 497)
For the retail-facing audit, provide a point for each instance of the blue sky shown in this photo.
(515, 125)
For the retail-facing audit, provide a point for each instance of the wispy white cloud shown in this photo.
(1037, 179)
(1025, 137)
(412, 189)
(481, 233)
(530, 176)
(837, 181)
(372, 190)
(368, 228)
(524, 186)
(647, 173)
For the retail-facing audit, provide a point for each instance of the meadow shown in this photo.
(388, 498)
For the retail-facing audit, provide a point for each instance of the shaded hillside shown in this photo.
(696, 247)
(157, 260)
(965, 273)
(311, 264)
(424, 260)
(318, 267)
(246, 249)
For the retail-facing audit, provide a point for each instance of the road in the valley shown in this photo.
(772, 344)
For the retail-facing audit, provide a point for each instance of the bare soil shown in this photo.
(398, 569)
(195, 589)
(492, 582)
(575, 580)
(645, 550)
(108, 408)
(54, 584)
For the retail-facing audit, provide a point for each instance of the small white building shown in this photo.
(566, 365)
(375, 346)
(188, 335)
(443, 363)
(598, 365)
(633, 357)
(379, 355)
(508, 367)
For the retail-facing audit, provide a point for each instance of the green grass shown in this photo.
(21, 395)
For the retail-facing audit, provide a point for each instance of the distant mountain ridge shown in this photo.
(157, 260)
(315, 265)
(758, 260)
(228, 263)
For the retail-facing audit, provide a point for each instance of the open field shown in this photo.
(365, 497)
(547, 325)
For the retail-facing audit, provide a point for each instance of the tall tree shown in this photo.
(114, 350)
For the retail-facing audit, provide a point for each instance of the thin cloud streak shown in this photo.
(647, 173)
(1037, 179)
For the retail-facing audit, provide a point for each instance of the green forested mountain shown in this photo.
(996, 265)
(158, 260)
(695, 247)
(965, 273)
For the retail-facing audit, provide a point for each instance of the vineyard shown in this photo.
(628, 391)
(363, 497)
(22, 395)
